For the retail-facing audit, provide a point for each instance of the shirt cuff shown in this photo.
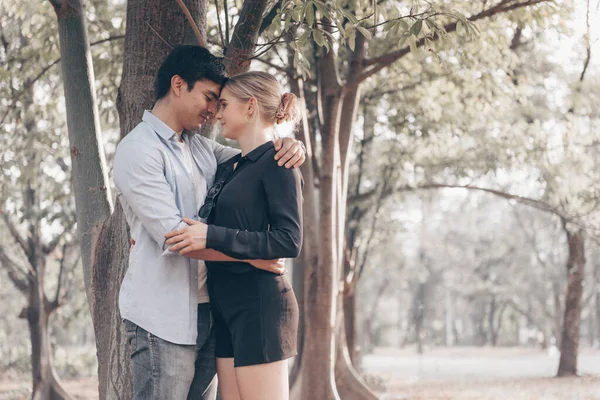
(216, 237)
(166, 247)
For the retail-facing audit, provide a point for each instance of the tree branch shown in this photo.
(385, 60)
(272, 65)
(14, 232)
(58, 301)
(268, 20)
(192, 23)
(14, 271)
(49, 248)
(588, 45)
(219, 23)
(245, 34)
(29, 82)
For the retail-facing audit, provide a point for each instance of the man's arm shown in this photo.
(139, 175)
(290, 152)
(275, 266)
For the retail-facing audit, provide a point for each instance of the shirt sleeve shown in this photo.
(139, 176)
(223, 153)
(283, 189)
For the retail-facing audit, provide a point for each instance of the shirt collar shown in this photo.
(158, 125)
(259, 151)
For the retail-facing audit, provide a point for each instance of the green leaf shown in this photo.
(322, 8)
(309, 13)
(403, 24)
(412, 42)
(460, 29)
(349, 15)
(288, 19)
(319, 38)
(352, 39)
(393, 29)
(341, 29)
(297, 14)
(365, 32)
(416, 28)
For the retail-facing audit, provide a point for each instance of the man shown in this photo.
(162, 173)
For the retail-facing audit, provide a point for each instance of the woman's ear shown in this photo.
(252, 105)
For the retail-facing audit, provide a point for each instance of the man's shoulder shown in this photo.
(142, 135)
(202, 141)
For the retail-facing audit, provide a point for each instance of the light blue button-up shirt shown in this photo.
(160, 292)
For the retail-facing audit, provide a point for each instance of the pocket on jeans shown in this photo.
(131, 332)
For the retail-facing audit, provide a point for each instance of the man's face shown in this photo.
(197, 105)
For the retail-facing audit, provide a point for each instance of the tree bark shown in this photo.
(350, 325)
(318, 356)
(238, 54)
(154, 27)
(569, 343)
(46, 385)
(309, 255)
(89, 174)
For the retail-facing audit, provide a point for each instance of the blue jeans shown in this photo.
(168, 371)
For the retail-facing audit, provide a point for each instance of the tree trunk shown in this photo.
(350, 384)
(308, 258)
(418, 315)
(238, 53)
(46, 385)
(449, 324)
(350, 325)
(491, 322)
(318, 356)
(569, 343)
(154, 27)
(104, 240)
(597, 311)
(89, 176)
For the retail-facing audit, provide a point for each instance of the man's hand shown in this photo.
(274, 266)
(290, 152)
(188, 239)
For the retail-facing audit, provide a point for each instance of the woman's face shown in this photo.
(233, 115)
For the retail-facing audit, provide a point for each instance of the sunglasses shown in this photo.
(209, 202)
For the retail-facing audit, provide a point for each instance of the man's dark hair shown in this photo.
(192, 64)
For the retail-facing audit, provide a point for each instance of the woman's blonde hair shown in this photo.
(264, 87)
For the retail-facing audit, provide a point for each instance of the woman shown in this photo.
(253, 211)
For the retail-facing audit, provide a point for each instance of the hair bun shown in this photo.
(287, 110)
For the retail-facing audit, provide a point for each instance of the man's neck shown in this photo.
(164, 112)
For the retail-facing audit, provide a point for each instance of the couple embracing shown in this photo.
(205, 292)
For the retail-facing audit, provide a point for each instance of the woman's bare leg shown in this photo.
(228, 386)
(263, 381)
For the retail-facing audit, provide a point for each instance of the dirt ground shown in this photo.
(439, 374)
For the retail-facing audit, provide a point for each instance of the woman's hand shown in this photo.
(188, 239)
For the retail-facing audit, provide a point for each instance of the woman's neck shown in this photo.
(254, 139)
